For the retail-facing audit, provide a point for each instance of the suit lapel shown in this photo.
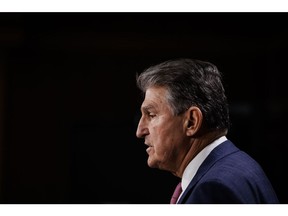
(216, 154)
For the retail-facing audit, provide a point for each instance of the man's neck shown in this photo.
(197, 145)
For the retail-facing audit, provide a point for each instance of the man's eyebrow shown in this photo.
(147, 107)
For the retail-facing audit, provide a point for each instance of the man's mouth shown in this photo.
(149, 147)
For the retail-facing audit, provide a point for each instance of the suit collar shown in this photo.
(216, 154)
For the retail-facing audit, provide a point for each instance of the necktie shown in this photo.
(176, 194)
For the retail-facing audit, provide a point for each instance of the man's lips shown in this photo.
(149, 147)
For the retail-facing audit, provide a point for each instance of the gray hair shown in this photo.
(190, 82)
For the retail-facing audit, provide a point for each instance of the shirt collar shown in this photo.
(194, 164)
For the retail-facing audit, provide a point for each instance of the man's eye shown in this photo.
(151, 115)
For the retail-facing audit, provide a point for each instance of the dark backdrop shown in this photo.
(69, 105)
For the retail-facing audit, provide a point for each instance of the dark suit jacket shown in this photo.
(229, 175)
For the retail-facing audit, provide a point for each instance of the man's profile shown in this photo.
(184, 123)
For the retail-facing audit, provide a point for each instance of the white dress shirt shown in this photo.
(194, 164)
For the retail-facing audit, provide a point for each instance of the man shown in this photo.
(185, 120)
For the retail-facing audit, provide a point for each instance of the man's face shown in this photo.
(164, 133)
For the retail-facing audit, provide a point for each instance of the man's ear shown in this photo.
(194, 120)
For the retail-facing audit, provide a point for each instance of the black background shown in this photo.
(70, 106)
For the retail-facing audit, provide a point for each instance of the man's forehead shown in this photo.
(155, 92)
(154, 98)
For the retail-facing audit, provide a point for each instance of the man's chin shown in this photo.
(152, 164)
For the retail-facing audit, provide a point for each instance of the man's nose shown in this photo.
(142, 130)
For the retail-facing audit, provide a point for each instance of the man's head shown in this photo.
(184, 98)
